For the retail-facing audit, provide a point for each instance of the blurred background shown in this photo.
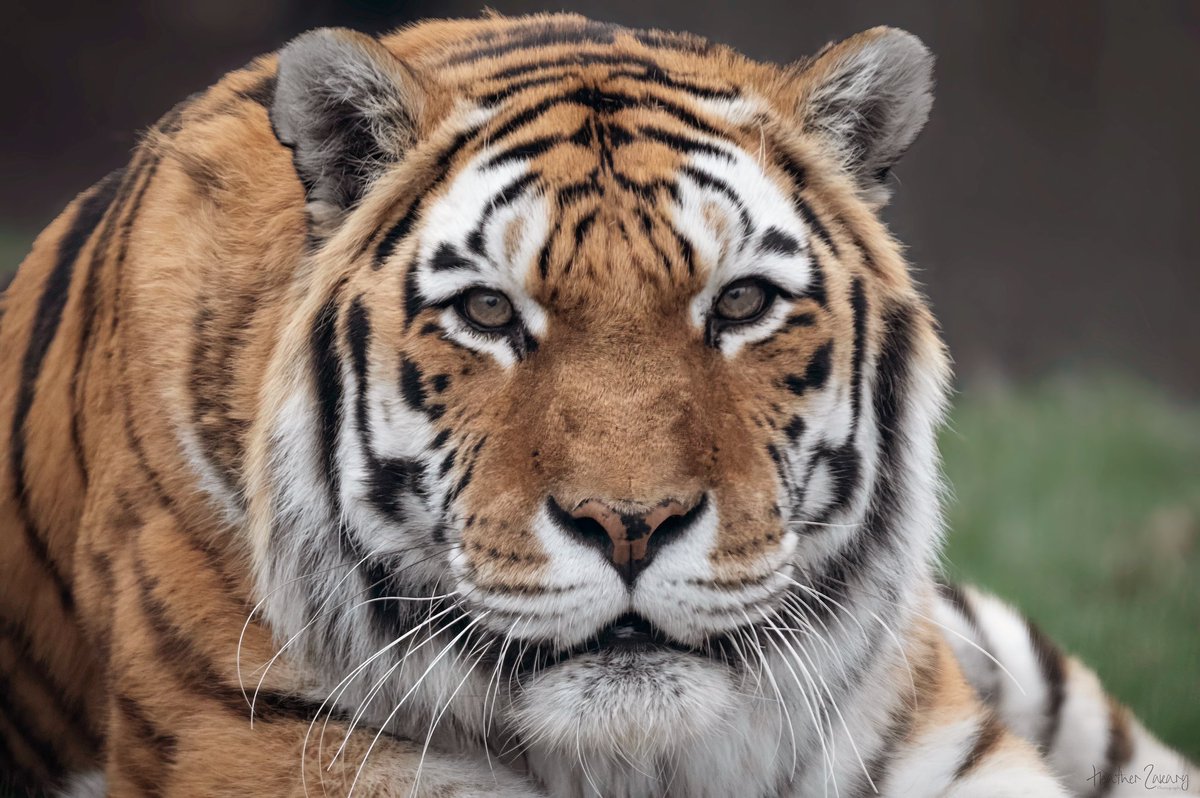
(1051, 208)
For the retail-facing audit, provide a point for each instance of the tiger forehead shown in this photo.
(608, 158)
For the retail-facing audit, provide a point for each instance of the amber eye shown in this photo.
(743, 301)
(486, 308)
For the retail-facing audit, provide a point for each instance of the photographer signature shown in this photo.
(1148, 777)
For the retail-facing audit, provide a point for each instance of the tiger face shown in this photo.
(603, 358)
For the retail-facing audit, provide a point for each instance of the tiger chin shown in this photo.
(509, 407)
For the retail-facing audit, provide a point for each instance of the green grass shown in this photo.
(1080, 503)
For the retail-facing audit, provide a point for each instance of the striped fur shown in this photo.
(278, 519)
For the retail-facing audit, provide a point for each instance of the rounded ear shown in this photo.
(347, 108)
(869, 97)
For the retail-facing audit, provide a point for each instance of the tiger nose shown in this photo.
(630, 539)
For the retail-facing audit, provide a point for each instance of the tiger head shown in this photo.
(605, 381)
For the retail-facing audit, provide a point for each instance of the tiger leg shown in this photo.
(179, 720)
(216, 754)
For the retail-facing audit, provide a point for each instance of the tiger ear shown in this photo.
(347, 108)
(869, 96)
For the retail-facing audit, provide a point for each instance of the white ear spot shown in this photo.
(324, 217)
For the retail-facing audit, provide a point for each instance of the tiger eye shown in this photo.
(487, 308)
(742, 301)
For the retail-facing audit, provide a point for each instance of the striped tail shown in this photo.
(1094, 744)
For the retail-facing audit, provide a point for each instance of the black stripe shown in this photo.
(842, 575)
(1119, 750)
(776, 241)
(663, 257)
(17, 776)
(957, 597)
(494, 98)
(523, 117)
(654, 74)
(389, 480)
(815, 290)
(261, 93)
(816, 373)
(582, 226)
(647, 190)
(148, 734)
(682, 144)
(961, 602)
(571, 193)
(901, 721)
(389, 241)
(195, 671)
(651, 72)
(220, 433)
(88, 302)
(799, 180)
(795, 320)
(686, 253)
(815, 224)
(214, 557)
(795, 172)
(537, 35)
(327, 383)
(845, 470)
(471, 457)
(70, 709)
(45, 327)
(172, 121)
(410, 385)
(603, 102)
(1052, 663)
(115, 304)
(525, 150)
(714, 183)
(448, 258)
(987, 737)
(508, 195)
(88, 309)
(358, 336)
(543, 258)
(858, 309)
(579, 59)
(413, 303)
(398, 232)
(47, 755)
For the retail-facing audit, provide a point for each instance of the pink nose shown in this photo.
(629, 533)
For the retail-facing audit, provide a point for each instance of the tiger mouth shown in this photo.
(629, 633)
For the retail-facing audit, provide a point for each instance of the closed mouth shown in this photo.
(628, 633)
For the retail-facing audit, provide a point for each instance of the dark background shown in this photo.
(1050, 205)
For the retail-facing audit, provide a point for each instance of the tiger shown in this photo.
(512, 406)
